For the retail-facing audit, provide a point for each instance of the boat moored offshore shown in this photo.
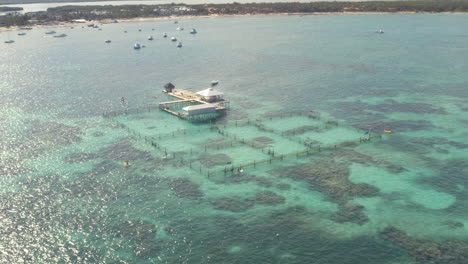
(193, 31)
(150, 38)
(137, 46)
(173, 39)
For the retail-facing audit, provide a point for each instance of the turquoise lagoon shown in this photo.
(66, 196)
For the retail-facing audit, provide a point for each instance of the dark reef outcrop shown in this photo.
(240, 204)
(427, 251)
(185, 188)
(331, 178)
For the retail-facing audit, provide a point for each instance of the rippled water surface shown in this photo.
(67, 197)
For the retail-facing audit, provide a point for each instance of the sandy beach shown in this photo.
(139, 19)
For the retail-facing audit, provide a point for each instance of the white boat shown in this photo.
(150, 38)
(60, 36)
(193, 31)
(179, 45)
(180, 28)
(10, 41)
(50, 32)
(137, 46)
(21, 34)
(108, 41)
(173, 39)
(380, 31)
(165, 35)
(214, 82)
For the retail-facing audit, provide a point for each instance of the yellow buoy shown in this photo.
(387, 131)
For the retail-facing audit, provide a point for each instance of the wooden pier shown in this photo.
(187, 98)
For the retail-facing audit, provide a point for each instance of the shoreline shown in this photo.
(144, 19)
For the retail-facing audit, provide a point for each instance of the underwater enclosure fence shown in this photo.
(229, 148)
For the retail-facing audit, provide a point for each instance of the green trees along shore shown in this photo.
(68, 13)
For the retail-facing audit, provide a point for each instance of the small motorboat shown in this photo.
(152, 29)
(125, 31)
(21, 34)
(137, 46)
(108, 41)
(380, 31)
(173, 39)
(179, 45)
(214, 82)
(9, 41)
(180, 28)
(165, 35)
(150, 38)
(139, 30)
(193, 31)
(60, 36)
(175, 22)
(50, 32)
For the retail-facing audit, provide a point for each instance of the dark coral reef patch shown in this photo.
(240, 204)
(428, 251)
(331, 178)
(185, 188)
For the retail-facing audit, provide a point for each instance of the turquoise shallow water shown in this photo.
(67, 198)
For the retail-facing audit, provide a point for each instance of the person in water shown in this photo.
(122, 100)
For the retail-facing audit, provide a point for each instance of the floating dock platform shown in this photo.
(191, 103)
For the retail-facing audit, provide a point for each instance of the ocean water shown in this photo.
(67, 197)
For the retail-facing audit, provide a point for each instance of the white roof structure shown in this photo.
(199, 107)
(210, 92)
